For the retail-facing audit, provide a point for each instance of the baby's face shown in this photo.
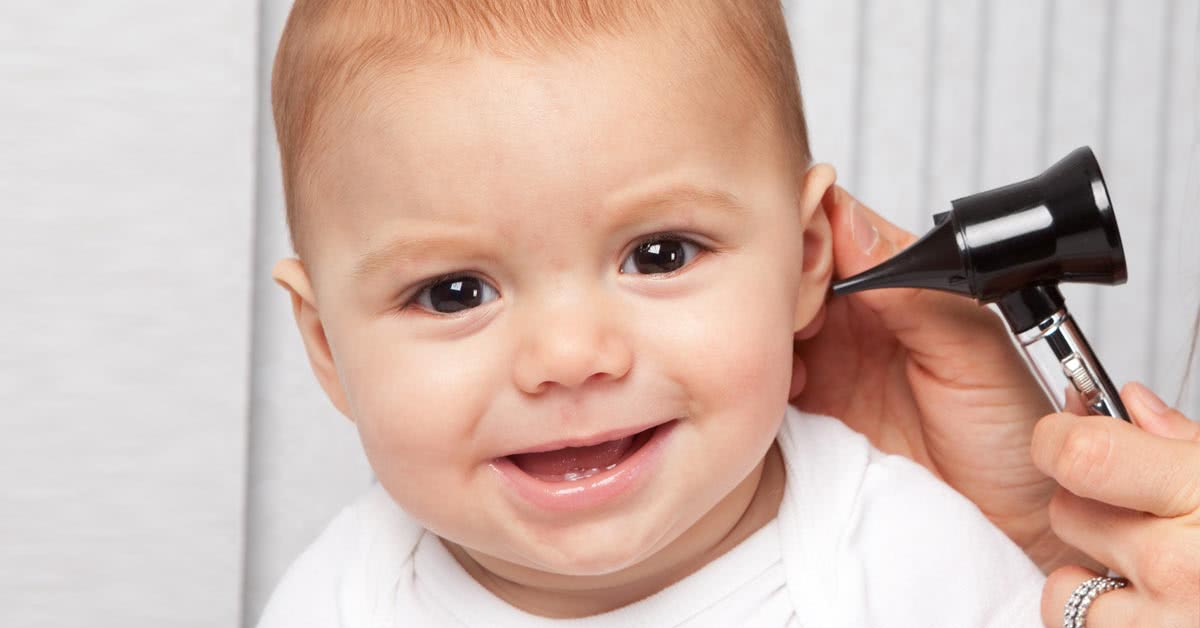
(482, 292)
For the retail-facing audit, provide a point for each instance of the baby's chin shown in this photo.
(595, 548)
(616, 553)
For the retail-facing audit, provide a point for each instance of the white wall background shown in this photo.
(164, 449)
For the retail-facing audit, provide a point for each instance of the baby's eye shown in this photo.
(660, 254)
(453, 293)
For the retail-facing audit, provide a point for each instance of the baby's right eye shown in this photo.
(452, 293)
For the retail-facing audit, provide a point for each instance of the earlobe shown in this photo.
(817, 264)
(290, 274)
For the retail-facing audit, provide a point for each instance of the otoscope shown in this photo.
(1012, 246)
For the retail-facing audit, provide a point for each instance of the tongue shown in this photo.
(573, 460)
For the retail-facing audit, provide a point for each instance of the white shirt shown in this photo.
(862, 539)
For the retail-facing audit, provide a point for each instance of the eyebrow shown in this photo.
(406, 250)
(644, 207)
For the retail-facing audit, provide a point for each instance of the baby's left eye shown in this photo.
(660, 254)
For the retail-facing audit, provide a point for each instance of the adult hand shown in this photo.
(1130, 498)
(931, 376)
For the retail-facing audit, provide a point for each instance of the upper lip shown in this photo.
(584, 441)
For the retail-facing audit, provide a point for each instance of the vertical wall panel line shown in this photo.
(1103, 142)
(1160, 191)
(981, 82)
(1050, 24)
(264, 53)
(1191, 196)
(860, 96)
(930, 112)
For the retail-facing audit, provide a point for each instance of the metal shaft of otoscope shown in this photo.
(1058, 350)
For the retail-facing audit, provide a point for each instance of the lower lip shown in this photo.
(568, 496)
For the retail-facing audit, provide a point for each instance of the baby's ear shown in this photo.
(289, 273)
(816, 196)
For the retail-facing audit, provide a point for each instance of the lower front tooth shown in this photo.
(587, 473)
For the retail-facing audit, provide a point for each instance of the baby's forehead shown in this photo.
(486, 135)
(674, 66)
(602, 72)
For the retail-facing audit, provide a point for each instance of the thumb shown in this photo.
(934, 326)
(865, 238)
(1155, 416)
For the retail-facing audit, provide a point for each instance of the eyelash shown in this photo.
(410, 302)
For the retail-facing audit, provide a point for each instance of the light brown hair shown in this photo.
(331, 51)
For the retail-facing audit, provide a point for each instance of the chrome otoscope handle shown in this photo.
(1059, 351)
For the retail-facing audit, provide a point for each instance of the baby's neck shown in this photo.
(753, 503)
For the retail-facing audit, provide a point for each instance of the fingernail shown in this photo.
(1151, 400)
(865, 233)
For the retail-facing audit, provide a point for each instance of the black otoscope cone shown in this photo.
(931, 262)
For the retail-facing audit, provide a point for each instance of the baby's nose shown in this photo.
(568, 343)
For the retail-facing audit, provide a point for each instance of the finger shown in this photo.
(1105, 532)
(948, 334)
(1118, 608)
(1117, 463)
(1074, 401)
(1147, 550)
(875, 239)
(1153, 415)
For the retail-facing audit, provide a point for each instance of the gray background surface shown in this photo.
(166, 451)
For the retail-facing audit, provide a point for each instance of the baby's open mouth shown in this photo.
(576, 463)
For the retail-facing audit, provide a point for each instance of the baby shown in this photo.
(552, 257)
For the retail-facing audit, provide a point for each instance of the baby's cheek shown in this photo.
(417, 413)
(420, 462)
(734, 358)
(736, 374)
